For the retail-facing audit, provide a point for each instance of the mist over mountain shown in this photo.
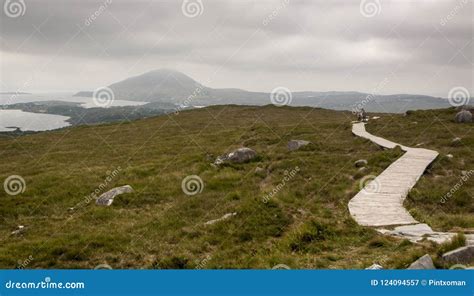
(173, 87)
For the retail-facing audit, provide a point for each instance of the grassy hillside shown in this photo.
(304, 225)
(429, 201)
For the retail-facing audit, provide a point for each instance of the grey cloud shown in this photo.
(294, 42)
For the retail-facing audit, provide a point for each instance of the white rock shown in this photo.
(375, 266)
(107, 198)
(226, 216)
(297, 144)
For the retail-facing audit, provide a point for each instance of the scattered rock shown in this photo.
(362, 169)
(361, 163)
(226, 216)
(418, 232)
(462, 255)
(419, 144)
(375, 266)
(456, 142)
(463, 116)
(19, 230)
(297, 144)
(463, 173)
(259, 170)
(424, 262)
(240, 155)
(449, 156)
(375, 117)
(107, 198)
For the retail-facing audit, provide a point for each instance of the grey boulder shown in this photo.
(297, 144)
(107, 198)
(423, 262)
(462, 255)
(240, 155)
(463, 116)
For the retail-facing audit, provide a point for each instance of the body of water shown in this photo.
(9, 99)
(27, 121)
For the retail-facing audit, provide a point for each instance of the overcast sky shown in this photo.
(420, 47)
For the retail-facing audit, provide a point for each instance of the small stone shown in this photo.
(259, 170)
(361, 163)
(225, 217)
(462, 255)
(375, 266)
(456, 142)
(107, 198)
(423, 262)
(449, 156)
(463, 173)
(19, 230)
(297, 144)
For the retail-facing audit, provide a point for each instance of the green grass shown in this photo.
(304, 225)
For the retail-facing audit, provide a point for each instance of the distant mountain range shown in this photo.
(169, 86)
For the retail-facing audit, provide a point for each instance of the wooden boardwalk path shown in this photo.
(384, 206)
(380, 202)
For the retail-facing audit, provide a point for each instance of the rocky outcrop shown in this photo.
(107, 198)
(423, 262)
(297, 144)
(418, 232)
(240, 155)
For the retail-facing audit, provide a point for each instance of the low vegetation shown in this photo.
(306, 224)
